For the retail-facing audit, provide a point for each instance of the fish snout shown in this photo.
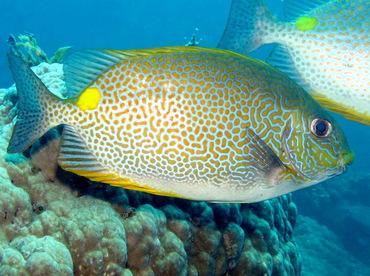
(347, 158)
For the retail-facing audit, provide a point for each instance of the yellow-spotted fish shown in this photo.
(325, 47)
(189, 122)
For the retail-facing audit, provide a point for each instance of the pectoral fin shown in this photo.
(266, 166)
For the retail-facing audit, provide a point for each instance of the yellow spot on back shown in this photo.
(306, 23)
(89, 99)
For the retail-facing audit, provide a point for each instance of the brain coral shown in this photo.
(56, 223)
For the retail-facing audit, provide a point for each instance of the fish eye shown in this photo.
(321, 127)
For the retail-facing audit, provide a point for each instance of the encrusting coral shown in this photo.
(56, 223)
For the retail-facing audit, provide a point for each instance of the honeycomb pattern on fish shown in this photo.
(189, 122)
(326, 50)
(183, 117)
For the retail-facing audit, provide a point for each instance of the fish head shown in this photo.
(315, 146)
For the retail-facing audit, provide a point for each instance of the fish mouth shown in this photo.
(339, 169)
(344, 160)
(347, 158)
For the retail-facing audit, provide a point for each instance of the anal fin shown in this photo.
(76, 157)
(342, 109)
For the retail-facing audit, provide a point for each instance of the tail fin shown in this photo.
(248, 19)
(32, 93)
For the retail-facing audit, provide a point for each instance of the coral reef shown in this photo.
(347, 198)
(27, 47)
(353, 186)
(56, 223)
(323, 252)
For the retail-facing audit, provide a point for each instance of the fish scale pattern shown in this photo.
(188, 122)
(329, 56)
(348, 63)
(60, 224)
(183, 110)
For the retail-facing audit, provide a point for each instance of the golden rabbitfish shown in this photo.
(196, 123)
(325, 47)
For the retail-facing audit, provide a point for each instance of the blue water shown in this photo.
(119, 24)
(124, 24)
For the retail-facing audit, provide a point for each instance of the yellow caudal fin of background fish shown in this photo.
(346, 112)
(31, 123)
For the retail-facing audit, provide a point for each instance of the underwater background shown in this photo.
(332, 229)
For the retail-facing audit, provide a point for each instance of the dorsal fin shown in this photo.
(294, 9)
(281, 60)
(82, 67)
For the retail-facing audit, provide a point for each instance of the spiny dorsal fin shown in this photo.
(82, 67)
(281, 60)
(294, 9)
